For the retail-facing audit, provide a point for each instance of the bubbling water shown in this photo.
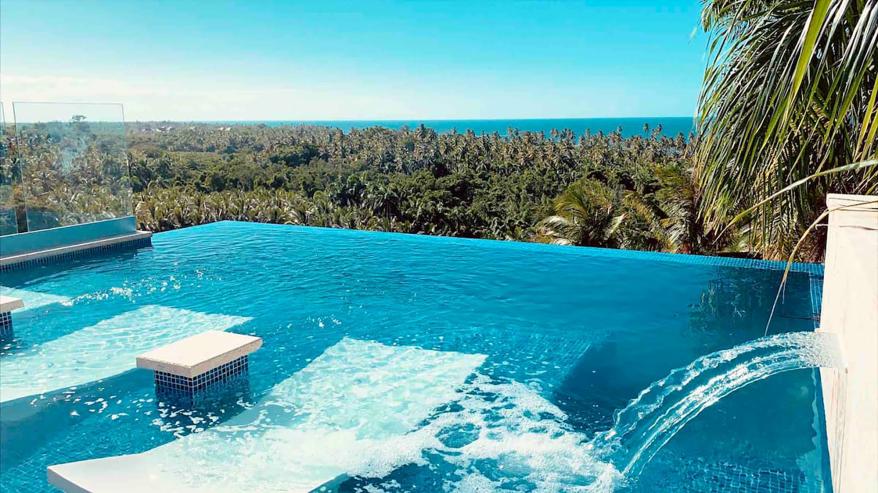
(501, 434)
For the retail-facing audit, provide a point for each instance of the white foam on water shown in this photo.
(365, 409)
(33, 299)
(101, 350)
(502, 434)
(350, 411)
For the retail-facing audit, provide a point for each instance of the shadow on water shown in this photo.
(29, 422)
(63, 267)
(742, 300)
(128, 400)
(47, 323)
(732, 308)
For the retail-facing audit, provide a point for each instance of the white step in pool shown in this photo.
(33, 299)
(8, 303)
(102, 350)
(347, 412)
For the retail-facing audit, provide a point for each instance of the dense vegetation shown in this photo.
(602, 190)
(790, 92)
(790, 97)
(62, 173)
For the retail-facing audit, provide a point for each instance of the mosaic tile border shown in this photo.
(692, 259)
(141, 242)
(737, 478)
(175, 384)
(5, 325)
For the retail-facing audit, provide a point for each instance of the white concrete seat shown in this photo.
(192, 364)
(194, 355)
(8, 303)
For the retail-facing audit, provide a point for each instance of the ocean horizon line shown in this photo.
(668, 126)
(330, 120)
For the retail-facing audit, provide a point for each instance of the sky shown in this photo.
(363, 60)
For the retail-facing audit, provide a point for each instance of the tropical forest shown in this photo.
(787, 114)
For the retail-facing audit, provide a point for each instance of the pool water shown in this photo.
(397, 363)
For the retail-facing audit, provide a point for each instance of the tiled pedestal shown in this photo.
(192, 366)
(7, 304)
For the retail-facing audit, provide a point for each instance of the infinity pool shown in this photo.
(401, 363)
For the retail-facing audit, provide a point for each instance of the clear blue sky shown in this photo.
(215, 60)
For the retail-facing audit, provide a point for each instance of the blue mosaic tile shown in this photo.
(5, 325)
(169, 384)
(700, 476)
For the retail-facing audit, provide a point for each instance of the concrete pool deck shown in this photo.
(850, 310)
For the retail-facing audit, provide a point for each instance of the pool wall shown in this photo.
(19, 243)
(22, 249)
(850, 310)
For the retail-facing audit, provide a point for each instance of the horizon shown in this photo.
(377, 61)
(425, 120)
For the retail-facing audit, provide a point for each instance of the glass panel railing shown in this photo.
(10, 181)
(73, 162)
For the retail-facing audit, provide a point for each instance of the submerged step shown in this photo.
(33, 299)
(349, 411)
(192, 364)
(7, 304)
(102, 350)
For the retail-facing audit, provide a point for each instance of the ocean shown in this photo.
(671, 126)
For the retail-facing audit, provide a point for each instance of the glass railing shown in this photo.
(71, 164)
(10, 181)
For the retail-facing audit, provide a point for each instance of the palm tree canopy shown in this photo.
(790, 90)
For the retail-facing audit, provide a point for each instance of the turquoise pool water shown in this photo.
(398, 363)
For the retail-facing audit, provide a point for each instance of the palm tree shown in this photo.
(585, 214)
(790, 91)
(679, 200)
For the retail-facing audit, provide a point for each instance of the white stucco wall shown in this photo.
(850, 310)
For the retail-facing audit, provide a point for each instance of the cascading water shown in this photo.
(500, 434)
(663, 408)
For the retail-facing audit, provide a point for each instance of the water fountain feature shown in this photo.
(663, 409)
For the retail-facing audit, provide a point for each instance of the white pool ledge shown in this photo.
(8, 303)
(199, 353)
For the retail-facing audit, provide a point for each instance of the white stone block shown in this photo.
(8, 303)
(198, 354)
